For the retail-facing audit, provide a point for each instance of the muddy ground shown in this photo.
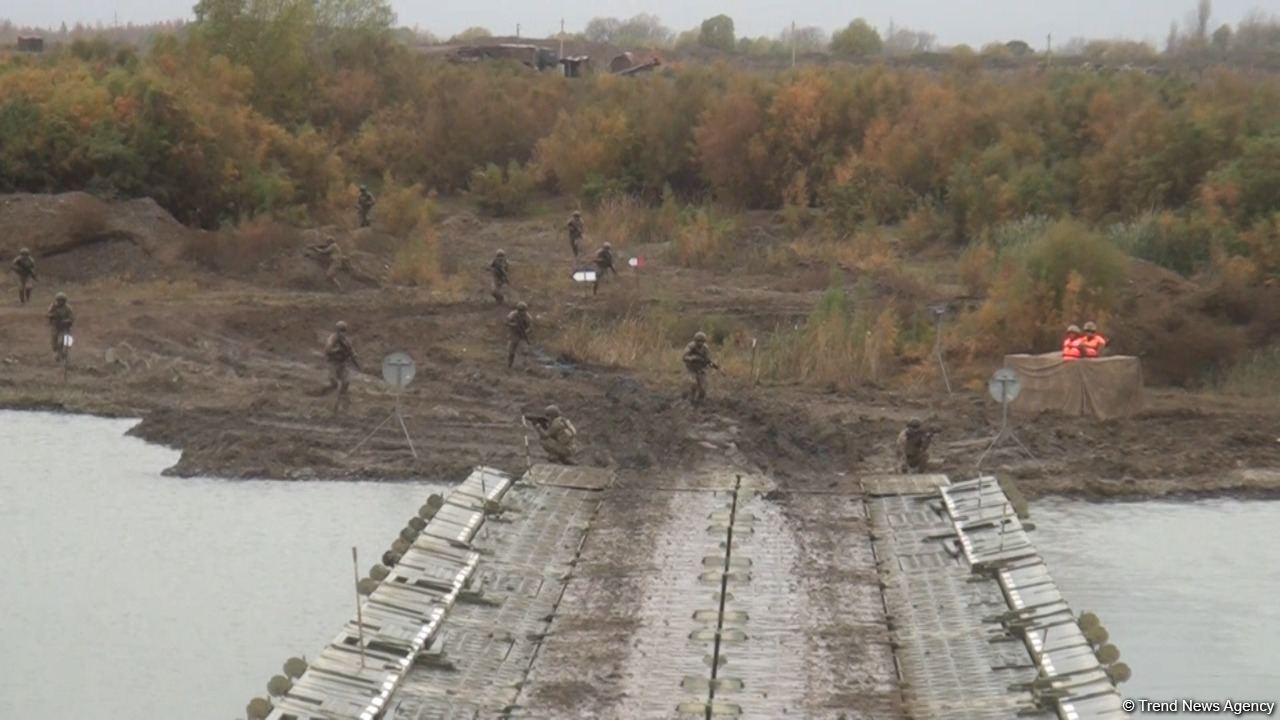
(222, 360)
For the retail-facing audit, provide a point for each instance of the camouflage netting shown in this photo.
(1104, 388)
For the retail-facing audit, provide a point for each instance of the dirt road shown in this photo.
(225, 366)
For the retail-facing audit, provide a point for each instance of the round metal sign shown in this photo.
(398, 369)
(1004, 386)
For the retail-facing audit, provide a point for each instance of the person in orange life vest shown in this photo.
(1092, 342)
(1071, 344)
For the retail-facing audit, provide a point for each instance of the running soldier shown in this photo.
(24, 266)
(913, 447)
(60, 321)
(518, 326)
(329, 255)
(501, 273)
(697, 360)
(364, 204)
(339, 352)
(604, 264)
(576, 231)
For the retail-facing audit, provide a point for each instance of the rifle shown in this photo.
(538, 421)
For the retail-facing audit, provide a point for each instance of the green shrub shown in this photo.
(502, 193)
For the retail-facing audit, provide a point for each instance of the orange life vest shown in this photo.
(1071, 348)
(1091, 345)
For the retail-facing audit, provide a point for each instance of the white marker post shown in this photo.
(355, 569)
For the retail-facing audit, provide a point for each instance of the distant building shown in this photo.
(30, 43)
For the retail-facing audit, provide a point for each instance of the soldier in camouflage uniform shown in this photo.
(339, 352)
(60, 321)
(330, 256)
(24, 266)
(576, 230)
(913, 447)
(500, 271)
(604, 265)
(697, 360)
(518, 325)
(558, 437)
(364, 204)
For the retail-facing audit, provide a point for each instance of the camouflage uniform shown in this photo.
(364, 204)
(330, 255)
(500, 271)
(60, 320)
(339, 352)
(558, 437)
(604, 264)
(697, 360)
(24, 266)
(913, 448)
(576, 230)
(518, 325)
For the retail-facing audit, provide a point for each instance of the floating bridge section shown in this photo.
(980, 628)
(741, 603)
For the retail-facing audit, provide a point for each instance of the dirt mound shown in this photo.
(1181, 329)
(77, 237)
(276, 255)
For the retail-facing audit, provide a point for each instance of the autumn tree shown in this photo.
(857, 39)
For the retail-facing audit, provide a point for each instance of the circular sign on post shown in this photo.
(1004, 386)
(398, 370)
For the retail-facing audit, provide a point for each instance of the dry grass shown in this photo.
(241, 249)
(401, 210)
(419, 262)
(625, 220)
(704, 240)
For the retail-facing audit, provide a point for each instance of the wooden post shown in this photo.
(355, 569)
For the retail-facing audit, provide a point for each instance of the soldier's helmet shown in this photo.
(577, 213)
(700, 337)
(1073, 329)
(1091, 326)
(501, 253)
(608, 246)
(364, 188)
(553, 411)
(914, 423)
(24, 251)
(341, 326)
(522, 306)
(60, 297)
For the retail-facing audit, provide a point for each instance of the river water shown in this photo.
(126, 594)
(1189, 591)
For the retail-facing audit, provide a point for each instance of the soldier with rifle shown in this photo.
(913, 447)
(24, 266)
(697, 360)
(339, 352)
(518, 326)
(557, 435)
(500, 271)
(604, 264)
(364, 204)
(576, 230)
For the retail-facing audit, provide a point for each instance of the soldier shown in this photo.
(364, 204)
(697, 360)
(576, 230)
(60, 320)
(518, 326)
(329, 254)
(501, 275)
(24, 266)
(913, 447)
(604, 264)
(558, 436)
(339, 351)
